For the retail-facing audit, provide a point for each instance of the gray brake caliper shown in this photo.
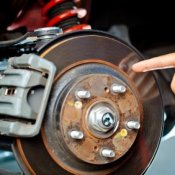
(25, 86)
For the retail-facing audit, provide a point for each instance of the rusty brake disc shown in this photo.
(102, 118)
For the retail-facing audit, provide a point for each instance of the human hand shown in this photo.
(161, 62)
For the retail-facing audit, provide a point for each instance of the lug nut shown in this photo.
(76, 135)
(118, 88)
(83, 94)
(133, 125)
(108, 153)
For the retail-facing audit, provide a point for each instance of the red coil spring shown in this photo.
(65, 14)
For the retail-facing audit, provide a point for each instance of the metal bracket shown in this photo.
(18, 115)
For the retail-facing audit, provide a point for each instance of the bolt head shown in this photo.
(102, 118)
(108, 119)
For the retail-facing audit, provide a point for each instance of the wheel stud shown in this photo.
(118, 88)
(133, 125)
(83, 94)
(76, 135)
(108, 153)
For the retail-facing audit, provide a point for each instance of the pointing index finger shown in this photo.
(161, 62)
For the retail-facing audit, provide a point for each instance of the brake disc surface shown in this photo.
(94, 61)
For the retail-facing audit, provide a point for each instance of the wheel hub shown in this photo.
(96, 109)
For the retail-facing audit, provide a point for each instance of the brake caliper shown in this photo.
(25, 86)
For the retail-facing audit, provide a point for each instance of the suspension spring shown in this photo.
(64, 14)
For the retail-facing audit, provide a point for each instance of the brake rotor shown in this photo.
(102, 118)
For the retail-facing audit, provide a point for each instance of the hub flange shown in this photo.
(101, 118)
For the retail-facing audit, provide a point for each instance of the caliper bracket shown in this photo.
(17, 116)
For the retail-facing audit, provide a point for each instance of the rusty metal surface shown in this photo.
(100, 48)
(73, 117)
